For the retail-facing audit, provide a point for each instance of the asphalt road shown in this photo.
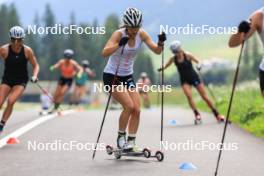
(245, 157)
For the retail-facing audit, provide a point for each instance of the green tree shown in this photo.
(4, 38)
(51, 44)
(33, 40)
(13, 19)
(99, 41)
(73, 40)
(143, 63)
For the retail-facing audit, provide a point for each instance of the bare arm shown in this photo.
(112, 44)
(57, 65)
(33, 61)
(238, 38)
(3, 52)
(194, 59)
(78, 67)
(169, 63)
(149, 42)
(89, 72)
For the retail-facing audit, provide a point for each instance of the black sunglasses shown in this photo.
(18, 39)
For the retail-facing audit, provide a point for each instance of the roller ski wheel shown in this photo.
(159, 155)
(118, 154)
(146, 152)
(109, 149)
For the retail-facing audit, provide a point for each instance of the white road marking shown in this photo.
(30, 126)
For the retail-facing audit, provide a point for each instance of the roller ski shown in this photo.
(52, 111)
(55, 111)
(198, 119)
(221, 119)
(43, 113)
(118, 153)
(129, 148)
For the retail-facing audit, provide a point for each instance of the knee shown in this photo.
(136, 110)
(129, 107)
(10, 102)
(60, 94)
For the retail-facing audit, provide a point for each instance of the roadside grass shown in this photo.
(247, 108)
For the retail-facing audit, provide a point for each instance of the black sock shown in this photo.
(215, 112)
(196, 112)
(3, 122)
(131, 138)
(56, 105)
(121, 133)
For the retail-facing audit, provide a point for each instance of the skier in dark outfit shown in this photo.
(16, 56)
(189, 77)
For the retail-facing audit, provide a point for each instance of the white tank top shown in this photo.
(126, 59)
(261, 66)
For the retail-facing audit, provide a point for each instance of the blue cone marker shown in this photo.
(173, 122)
(187, 166)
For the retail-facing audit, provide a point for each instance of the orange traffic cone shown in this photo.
(12, 140)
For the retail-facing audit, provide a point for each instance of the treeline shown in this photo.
(49, 47)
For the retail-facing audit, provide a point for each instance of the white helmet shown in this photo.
(85, 63)
(68, 53)
(175, 46)
(132, 17)
(17, 32)
(143, 75)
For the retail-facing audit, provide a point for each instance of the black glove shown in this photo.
(162, 38)
(244, 26)
(34, 79)
(123, 41)
(160, 69)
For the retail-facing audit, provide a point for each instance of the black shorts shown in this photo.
(13, 82)
(65, 81)
(127, 81)
(261, 80)
(194, 80)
